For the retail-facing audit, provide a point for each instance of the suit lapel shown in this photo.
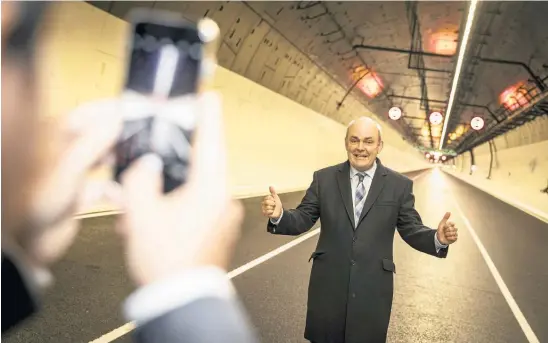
(377, 185)
(343, 179)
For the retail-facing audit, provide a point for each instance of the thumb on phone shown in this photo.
(143, 182)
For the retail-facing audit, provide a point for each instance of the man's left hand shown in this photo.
(447, 231)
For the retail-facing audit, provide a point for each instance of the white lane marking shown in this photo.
(115, 334)
(97, 214)
(515, 203)
(273, 253)
(128, 327)
(525, 327)
(241, 196)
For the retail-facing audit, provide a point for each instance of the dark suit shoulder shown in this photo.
(329, 170)
(398, 177)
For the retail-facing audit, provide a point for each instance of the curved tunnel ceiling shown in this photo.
(387, 54)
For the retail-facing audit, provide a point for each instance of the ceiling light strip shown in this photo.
(465, 36)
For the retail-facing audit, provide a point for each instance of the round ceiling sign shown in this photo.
(436, 118)
(477, 123)
(394, 113)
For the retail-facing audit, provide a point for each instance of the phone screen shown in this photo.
(165, 60)
(164, 63)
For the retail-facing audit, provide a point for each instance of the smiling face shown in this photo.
(363, 143)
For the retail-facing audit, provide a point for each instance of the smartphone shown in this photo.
(169, 61)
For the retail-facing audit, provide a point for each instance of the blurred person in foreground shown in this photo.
(359, 203)
(177, 246)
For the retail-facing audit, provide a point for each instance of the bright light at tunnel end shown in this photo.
(465, 36)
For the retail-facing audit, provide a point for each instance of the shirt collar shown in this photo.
(370, 172)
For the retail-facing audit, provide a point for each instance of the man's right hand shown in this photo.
(272, 205)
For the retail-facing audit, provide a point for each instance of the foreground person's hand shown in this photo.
(196, 225)
(78, 143)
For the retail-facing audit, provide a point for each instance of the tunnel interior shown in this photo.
(346, 59)
(462, 84)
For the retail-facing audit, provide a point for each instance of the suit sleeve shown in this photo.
(196, 305)
(297, 221)
(206, 320)
(411, 228)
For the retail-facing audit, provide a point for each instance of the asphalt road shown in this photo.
(436, 300)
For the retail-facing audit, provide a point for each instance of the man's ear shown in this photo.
(381, 144)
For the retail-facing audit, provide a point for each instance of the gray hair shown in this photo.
(368, 119)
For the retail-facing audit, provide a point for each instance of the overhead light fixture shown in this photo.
(513, 97)
(462, 50)
(394, 113)
(444, 42)
(477, 123)
(371, 85)
(436, 131)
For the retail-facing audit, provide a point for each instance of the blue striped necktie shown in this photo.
(360, 193)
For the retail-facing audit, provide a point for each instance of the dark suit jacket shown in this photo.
(351, 283)
(207, 320)
(17, 301)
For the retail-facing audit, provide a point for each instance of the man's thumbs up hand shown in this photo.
(447, 231)
(272, 205)
(273, 193)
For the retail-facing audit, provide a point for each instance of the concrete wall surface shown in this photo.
(271, 139)
(519, 168)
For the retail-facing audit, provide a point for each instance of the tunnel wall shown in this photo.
(520, 167)
(271, 139)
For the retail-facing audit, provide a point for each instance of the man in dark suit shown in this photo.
(176, 246)
(359, 203)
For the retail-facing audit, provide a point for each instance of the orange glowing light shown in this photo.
(371, 85)
(436, 131)
(444, 42)
(513, 97)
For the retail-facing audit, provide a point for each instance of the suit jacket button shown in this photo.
(352, 262)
